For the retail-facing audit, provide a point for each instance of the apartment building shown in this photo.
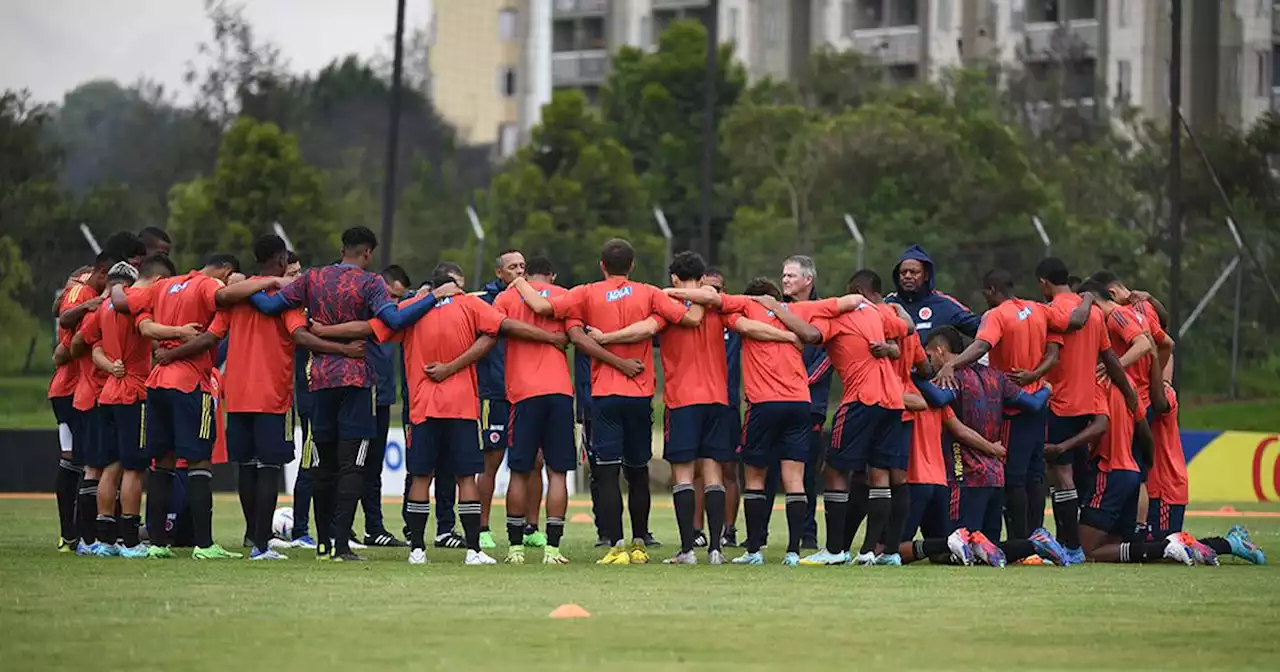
(495, 62)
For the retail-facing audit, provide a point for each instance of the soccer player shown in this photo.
(541, 393)
(696, 397)
(259, 393)
(80, 297)
(126, 356)
(155, 240)
(1167, 485)
(495, 410)
(622, 386)
(1152, 311)
(342, 401)
(913, 279)
(1134, 343)
(440, 353)
(799, 274)
(97, 532)
(714, 278)
(180, 412)
(1074, 403)
(1015, 334)
(777, 422)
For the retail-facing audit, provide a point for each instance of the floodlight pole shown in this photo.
(666, 234)
(285, 237)
(88, 238)
(479, 233)
(857, 238)
(1044, 235)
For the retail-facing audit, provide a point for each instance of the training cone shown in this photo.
(1228, 509)
(580, 518)
(569, 611)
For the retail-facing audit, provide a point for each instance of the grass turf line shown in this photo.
(303, 614)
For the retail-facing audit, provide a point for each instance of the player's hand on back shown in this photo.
(881, 349)
(1021, 377)
(446, 290)
(945, 377)
(437, 371)
(562, 339)
(117, 369)
(767, 301)
(631, 367)
(164, 355)
(997, 450)
(189, 332)
(319, 329)
(284, 281)
(353, 350)
(1052, 449)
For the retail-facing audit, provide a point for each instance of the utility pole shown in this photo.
(709, 124)
(1175, 174)
(393, 139)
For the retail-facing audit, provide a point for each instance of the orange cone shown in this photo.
(569, 611)
(580, 518)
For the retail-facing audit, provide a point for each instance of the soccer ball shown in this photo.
(282, 522)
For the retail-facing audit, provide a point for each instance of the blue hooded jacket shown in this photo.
(818, 367)
(929, 307)
(491, 369)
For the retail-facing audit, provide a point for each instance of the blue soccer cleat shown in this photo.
(135, 552)
(985, 550)
(791, 560)
(1075, 556)
(1242, 546)
(819, 559)
(756, 558)
(85, 550)
(106, 550)
(1049, 548)
(889, 560)
(958, 544)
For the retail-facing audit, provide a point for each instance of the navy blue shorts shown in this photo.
(63, 410)
(696, 432)
(864, 436)
(930, 512)
(542, 423)
(1062, 428)
(1112, 505)
(981, 510)
(122, 431)
(733, 423)
(342, 413)
(1136, 452)
(181, 423)
(900, 444)
(99, 449)
(310, 457)
(266, 438)
(776, 430)
(1165, 519)
(622, 430)
(1024, 443)
(445, 444)
(495, 415)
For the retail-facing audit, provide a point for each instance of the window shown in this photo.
(1123, 11)
(646, 33)
(733, 24)
(562, 36)
(904, 13)
(847, 14)
(1124, 77)
(508, 139)
(1043, 11)
(944, 14)
(1263, 90)
(507, 24)
(592, 33)
(507, 82)
(772, 31)
(1082, 9)
(1261, 8)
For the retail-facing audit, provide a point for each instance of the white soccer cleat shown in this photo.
(418, 556)
(864, 560)
(277, 544)
(958, 543)
(479, 558)
(682, 559)
(715, 558)
(1178, 550)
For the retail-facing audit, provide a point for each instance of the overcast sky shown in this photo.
(51, 46)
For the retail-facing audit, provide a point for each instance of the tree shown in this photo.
(568, 191)
(237, 66)
(654, 104)
(260, 179)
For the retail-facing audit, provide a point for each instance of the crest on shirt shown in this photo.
(1024, 313)
(445, 302)
(494, 437)
(620, 293)
(926, 313)
(174, 289)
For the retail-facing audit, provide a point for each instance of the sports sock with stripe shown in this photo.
(67, 487)
(1036, 494)
(1016, 513)
(87, 510)
(1142, 551)
(879, 508)
(264, 502)
(159, 501)
(714, 498)
(105, 527)
(247, 487)
(515, 529)
(835, 504)
(416, 513)
(682, 497)
(469, 514)
(639, 500)
(899, 511)
(1066, 516)
(129, 530)
(555, 531)
(200, 498)
(755, 507)
(797, 506)
(856, 512)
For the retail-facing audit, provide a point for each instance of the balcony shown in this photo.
(1046, 37)
(566, 9)
(579, 68)
(678, 4)
(891, 46)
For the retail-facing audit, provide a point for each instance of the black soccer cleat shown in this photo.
(383, 539)
(730, 537)
(450, 540)
(809, 543)
(650, 542)
(349, 556)
(699, 539)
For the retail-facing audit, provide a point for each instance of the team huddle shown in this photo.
(945, 451)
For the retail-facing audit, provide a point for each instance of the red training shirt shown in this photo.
(1114, 451)
(534, 369)
(1074, 379)
(1018, 332)
(177, 301)
(867, 379)
(773, 371)
(121, 342)
(63, 383)
(91, 379)
(927, 465)
(259, 364)
(1167, 480)
(693, 363)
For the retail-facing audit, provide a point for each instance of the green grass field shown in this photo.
(60, 610)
